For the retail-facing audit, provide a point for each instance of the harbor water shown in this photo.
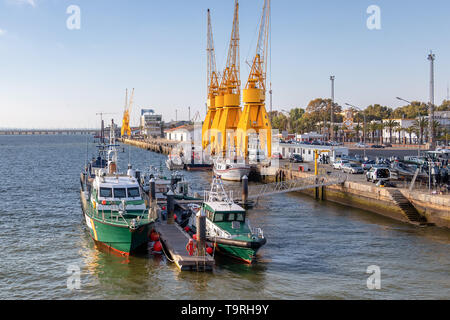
(315, 250)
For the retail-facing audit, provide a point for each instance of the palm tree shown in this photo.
(410, 131)
(373, 127)
(380, 127)
(335, 129)
(420, 125)
(399, 130)
(357, 130)
(391, 124)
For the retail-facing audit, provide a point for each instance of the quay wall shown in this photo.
(369, 197)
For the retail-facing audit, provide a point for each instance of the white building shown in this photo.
(307, 151)
(182, 133)
(399, 134)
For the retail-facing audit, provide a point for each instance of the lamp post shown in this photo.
(431, 142)
(332, 78)
(364, 129)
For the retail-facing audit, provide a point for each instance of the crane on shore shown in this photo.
(212, 86)
(126, 130)
(254, 117)
(227, 100)
(232, 96)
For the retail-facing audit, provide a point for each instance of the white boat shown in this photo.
(230, 170)
(174, 163)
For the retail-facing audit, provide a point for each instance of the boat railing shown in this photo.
(116, 214)
(258, 232)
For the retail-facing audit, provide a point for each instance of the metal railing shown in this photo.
(257, 191)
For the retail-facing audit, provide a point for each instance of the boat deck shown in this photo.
(175, 239)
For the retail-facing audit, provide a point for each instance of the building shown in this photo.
(183, 133)
(307, 151)
(399, 133)
(151, 124)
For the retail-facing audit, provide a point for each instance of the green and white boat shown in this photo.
(227, 225)
(114, 209)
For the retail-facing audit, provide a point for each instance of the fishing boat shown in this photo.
(227, 225)
(174, 163)
(114, 209)
(231, 170)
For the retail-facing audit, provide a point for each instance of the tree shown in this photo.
(378, 112)
(357, 130)
(445, 106)
(410, 131)
(399, 130)
(420, 125)
(411, 111)
(391, 124)
(373, 128)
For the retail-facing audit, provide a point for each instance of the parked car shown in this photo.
(378, 174)
(361, 145)
(338, 164)
(366, 165)
(387, 145)
(352, 168)
(377, 146)
(277, 155)
(295, 158)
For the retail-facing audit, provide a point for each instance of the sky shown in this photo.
(55, 77)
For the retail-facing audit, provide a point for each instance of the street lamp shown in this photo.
(364, 130)
(332, 78)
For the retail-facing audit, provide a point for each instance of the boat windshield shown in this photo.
(133, 192)
(231, 216)
(106, 192)
(120, 193)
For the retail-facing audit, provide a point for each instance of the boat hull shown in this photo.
(232, 174)
(247, 255)
(119, 238)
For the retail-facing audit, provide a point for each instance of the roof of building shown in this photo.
(189, 127)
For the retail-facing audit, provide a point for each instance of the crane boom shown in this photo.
(254, 117)
(212, 86)
(231, 86)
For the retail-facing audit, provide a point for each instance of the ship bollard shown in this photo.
(170, 207)
(244, 190)
(201, 232)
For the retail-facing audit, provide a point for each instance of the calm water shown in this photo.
(315, 250)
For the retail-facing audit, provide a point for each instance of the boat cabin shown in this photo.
(116, 188)
(224, 212)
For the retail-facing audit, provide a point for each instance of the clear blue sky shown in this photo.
(54, 77)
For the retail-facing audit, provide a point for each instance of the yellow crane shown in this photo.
(126, 130)
(232, 97)
(228, 100)
(212, 86)
(254, 117)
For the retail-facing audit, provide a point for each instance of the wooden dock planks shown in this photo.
(175, 239)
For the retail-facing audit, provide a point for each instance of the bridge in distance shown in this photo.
(49, 131)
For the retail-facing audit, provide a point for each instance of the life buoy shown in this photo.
(191, 247)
